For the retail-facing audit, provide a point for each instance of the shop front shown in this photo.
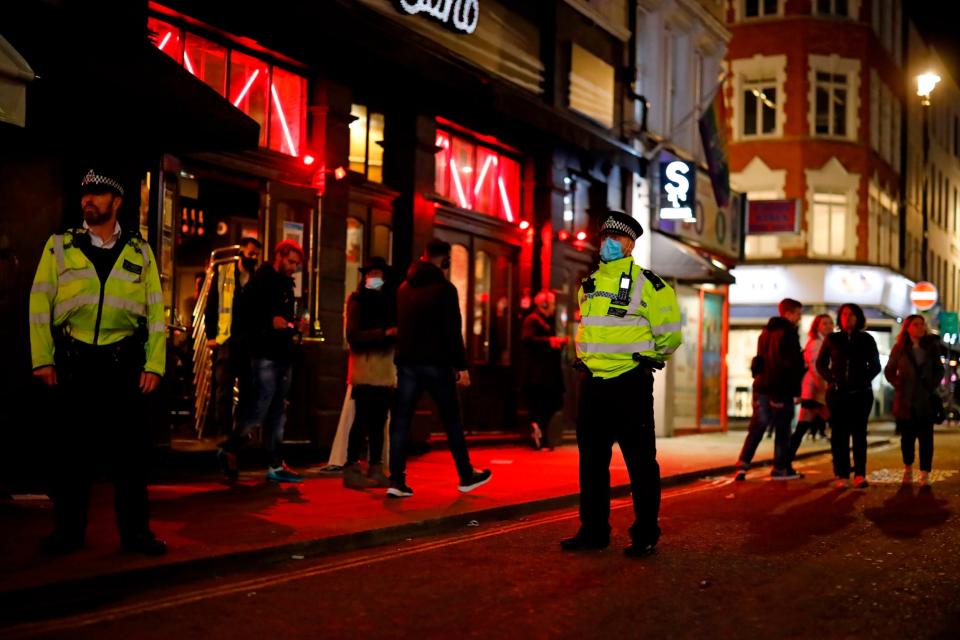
(694, 243)
(822, 288)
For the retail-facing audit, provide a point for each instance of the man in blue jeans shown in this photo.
(430, 357)
(778, 372)
(272, 331)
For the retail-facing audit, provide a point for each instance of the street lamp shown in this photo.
(925, 85)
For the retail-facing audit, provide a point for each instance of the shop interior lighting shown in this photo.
(461, 195)
(246, 88)
(524, 225)
(283, 120)
(339, 173)
(718, 264)
(564, 235)
(483, 173)
(187, 63)
(506, 201)
(308, 159)
(581, 235)
(166, 39)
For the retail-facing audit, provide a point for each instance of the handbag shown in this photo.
(936, 402)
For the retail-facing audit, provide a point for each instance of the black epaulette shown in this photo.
(654, 279)
(589, 285)
(75, 237)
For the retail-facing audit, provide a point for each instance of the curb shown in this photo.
(73, 596)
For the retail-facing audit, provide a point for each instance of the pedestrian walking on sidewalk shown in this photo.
(778, 371)
(849, 362)
(371, 334)
(543, 375)
(430, 357)
(813, 394)
(273, 329)
(914, 370)
(630, 326)
(225, 325)
(98, 343)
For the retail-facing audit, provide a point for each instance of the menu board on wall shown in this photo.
(711, 348)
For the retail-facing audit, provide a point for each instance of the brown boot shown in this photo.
(353, 478)
(377, 476)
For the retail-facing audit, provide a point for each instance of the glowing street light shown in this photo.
(926, 82)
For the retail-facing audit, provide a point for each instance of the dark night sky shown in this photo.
(939, 22)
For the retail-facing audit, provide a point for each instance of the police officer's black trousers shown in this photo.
(100, 428)
(618, 410)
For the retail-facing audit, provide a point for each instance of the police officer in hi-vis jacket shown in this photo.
(629, 326)
(98, 341)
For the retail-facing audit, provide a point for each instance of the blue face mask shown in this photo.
(611, 250)
(374, 283)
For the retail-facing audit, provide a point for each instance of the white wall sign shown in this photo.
(457, 15)
(678, 192)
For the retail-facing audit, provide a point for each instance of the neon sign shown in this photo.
(457, 15)
(675, 178)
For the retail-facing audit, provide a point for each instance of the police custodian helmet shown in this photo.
(619, 223)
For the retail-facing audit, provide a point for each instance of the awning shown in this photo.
(184, 114)
(15, 73)
(677, 261)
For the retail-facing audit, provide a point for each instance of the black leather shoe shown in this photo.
(640, 549)
(147, 545)
(584, 543)
(57, 544)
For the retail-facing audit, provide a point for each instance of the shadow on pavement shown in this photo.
(907, 513)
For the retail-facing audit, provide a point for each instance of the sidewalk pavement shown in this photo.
(211, 527)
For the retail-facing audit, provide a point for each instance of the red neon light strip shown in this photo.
(483, 173)
(165, 40)
(458, 184)
(283, 120)
(246, 87)
(186, 63)
(505, 200)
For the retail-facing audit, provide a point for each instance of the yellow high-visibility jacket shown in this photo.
(66, 294)
(646, 321)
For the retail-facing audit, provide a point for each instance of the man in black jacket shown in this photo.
(778, 372)
(430, 357)
(270, 302)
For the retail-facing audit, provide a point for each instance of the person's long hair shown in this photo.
(857, 311)
(904, 328)
(814, 331)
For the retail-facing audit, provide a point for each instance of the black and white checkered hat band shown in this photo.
(612, 224)
(96, 180)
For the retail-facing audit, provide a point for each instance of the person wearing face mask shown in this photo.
(224, 325)
(543, 375)
(430, 357)
(630, 326)
(371, 334)
(269, 301)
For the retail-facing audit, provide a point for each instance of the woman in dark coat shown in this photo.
(543, 375)
(914, 370)
(849, 362)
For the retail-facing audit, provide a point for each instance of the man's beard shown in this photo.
(94, 217)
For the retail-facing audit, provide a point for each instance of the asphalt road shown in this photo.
(759, 559)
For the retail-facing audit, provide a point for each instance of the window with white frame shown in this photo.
(762, 246)
(759, 107)
(832, 8)
(834, 96)
(831, 104)
(760, 8)
(828, 232)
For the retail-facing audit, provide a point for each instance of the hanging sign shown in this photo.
(677, 191)
(456, 15)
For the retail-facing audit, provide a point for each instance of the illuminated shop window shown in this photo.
(354, 255)
(366, 143)
(207, 61)
(275, 98)
(477, 177)
(166, 37)
(460, 277)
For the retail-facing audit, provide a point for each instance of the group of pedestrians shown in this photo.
(831, 379)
